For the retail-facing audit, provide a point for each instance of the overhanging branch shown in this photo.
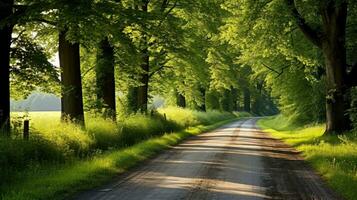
(275, 71)
(167, 14)
(311, 34)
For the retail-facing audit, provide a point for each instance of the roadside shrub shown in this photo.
(186, 117)
(212, 116)
(70, 139)
(104, 132)
(183, 117)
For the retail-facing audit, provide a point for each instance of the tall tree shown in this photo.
(331, 39)
(72, 99)
(143, 89)
(6, 10)
(105, 79)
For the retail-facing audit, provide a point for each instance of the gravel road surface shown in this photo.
(236, 161)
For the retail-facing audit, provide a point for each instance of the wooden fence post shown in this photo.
(26, 129)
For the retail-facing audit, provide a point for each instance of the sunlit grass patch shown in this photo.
(335, 157)
(60, 181)
(186, 117)
(62, 156)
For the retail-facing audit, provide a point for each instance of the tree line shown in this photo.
(207, 54)
(122, 52)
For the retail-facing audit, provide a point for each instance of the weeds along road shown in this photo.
(236, 161)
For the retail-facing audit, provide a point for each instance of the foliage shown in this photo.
(186, 117)
(30, 68)
(267, 41)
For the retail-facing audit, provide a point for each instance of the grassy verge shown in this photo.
(58, 180)
(334, 157)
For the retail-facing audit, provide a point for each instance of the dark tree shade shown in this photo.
(226, 101)
(202, 107)
(246, 94)
(180, 100)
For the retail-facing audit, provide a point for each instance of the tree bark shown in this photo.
(105, 79)
(132, 99)
(180, 100)
(72, 99)
(143, 89)
(332, 41)
(246, 94)
(5, 42)
(352, 80)
(333, 47)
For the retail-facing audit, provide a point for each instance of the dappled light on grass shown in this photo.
(187, 117)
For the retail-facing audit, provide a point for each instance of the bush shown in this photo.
(104, 132)
(139, 127)
(186, 117)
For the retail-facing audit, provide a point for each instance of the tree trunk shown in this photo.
(332, 41)
(202, 107)
(333, 46)
(143, 89)
(72, 100)
(226, 101)
(180, 100)
(132, 99)
(234, 92)
(105, 79)
(246, 100)
(5, 42)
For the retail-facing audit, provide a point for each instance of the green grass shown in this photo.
(186, 117)
(334, 157)
(58, 182)
(63, 157)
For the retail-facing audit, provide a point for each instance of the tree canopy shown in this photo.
(296, 57)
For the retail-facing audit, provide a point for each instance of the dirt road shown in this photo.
(236, 161)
